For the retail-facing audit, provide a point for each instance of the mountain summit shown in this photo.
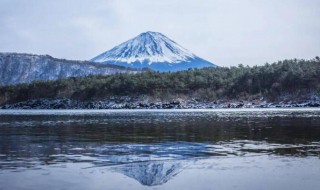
(152, 50)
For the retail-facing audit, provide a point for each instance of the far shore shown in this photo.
(115, 104)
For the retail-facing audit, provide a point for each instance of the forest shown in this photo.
(294, 77)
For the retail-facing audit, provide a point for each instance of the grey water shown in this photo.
(160, 149)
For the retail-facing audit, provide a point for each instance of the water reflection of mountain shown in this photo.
(26, 152)
(136, 139)
(152, 173)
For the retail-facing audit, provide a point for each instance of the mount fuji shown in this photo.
(152, 50)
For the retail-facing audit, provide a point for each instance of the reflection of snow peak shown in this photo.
(151, 173)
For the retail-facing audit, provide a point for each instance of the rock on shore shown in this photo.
(132, 103)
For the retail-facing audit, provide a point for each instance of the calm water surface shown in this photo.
(168, 149)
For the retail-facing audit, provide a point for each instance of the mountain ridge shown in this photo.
(17, 68)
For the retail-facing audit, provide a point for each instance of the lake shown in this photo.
(160, 149)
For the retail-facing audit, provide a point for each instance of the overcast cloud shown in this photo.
(225, 32)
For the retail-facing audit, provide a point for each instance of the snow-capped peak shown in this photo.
(150, 47)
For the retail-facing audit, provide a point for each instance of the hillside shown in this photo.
(16, 68)
(288, 80)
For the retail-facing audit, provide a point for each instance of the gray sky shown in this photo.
(225, 32)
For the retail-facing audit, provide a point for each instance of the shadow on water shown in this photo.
(152, 147)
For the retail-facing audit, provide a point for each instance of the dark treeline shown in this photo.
(242, 82)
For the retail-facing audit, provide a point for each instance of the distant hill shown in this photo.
(16, 68)
(155, 51)
(288, 80)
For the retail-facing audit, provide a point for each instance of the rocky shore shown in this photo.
(132, 103)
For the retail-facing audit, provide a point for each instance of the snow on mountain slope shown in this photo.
(16, 68)
(152, 50)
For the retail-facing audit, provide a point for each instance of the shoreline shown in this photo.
(62, 104)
